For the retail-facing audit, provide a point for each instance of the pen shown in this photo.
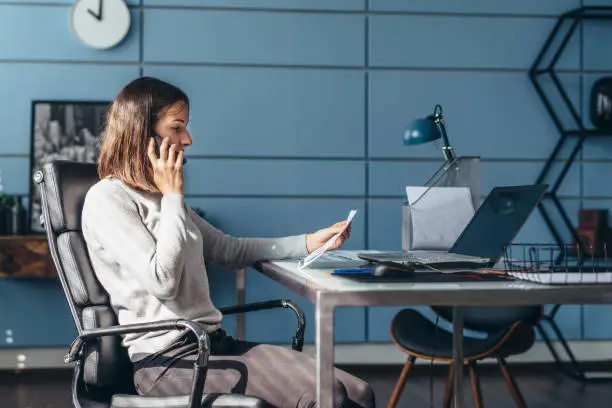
(348, 271)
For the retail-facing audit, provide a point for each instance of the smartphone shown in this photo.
(158, 141)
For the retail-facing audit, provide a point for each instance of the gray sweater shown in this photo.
(148, 252)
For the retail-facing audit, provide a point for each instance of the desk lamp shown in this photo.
(427, 130)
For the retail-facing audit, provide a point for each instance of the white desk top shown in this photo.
(310, 281)
(324, 278)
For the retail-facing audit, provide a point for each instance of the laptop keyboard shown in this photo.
(427, 257)
(437, 257)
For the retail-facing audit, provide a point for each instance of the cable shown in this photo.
(431, 387)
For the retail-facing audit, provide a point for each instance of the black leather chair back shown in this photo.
(64, 185)
(492, 319)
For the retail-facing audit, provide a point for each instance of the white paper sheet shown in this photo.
(320, 251)
(339, 258)
(565, 278)
(438, 215)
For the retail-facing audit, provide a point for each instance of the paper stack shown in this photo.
(321, 250)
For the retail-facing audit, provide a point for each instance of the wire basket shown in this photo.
(559, 264)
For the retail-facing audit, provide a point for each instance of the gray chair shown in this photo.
(103, 373)
(509, 331)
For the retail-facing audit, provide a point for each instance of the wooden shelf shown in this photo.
(25, 257)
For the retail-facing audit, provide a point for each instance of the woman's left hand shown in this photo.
(317, 239)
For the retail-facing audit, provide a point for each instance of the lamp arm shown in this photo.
(449, 153)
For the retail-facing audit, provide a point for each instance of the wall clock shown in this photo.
(100, 24)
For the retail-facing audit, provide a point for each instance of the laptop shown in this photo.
(481, 244)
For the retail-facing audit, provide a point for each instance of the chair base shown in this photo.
(474, 382)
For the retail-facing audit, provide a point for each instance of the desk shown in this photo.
(327, 292)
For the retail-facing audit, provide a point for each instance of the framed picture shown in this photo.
(67, 130)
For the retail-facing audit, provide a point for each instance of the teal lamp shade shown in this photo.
(427, 130)
(421, 131)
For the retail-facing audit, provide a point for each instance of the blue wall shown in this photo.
(298, 111)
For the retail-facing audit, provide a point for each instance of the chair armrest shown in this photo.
(298, 339)
(196, 329)
(199, 366)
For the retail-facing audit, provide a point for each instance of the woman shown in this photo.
(148, 250)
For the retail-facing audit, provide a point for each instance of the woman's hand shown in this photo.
(317, 239)
(167, 171)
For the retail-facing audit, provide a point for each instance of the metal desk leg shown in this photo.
(324, 337)
(458, 357)
(240, 300)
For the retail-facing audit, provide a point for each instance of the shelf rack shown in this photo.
(577, 134)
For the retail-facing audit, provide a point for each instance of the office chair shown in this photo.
(509, 331)
(103, 373)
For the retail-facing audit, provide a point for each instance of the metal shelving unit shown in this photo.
(563, 30)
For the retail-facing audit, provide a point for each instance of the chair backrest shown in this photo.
(490, 319)
(63, 187)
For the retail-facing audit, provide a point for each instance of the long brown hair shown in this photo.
(129, 126)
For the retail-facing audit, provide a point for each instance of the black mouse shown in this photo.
(388, 270)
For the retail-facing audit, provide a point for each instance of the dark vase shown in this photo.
(6, 221)
(18, 222)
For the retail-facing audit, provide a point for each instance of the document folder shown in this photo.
(420, 228)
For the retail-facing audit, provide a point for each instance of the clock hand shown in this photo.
(98, 15)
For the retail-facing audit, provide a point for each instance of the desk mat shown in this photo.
(427, 277)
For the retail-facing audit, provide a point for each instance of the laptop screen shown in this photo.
(498, 220)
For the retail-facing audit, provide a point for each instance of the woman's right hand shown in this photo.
(168, 168)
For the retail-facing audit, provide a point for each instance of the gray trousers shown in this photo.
(282, 377)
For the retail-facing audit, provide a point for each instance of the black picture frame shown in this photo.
(62, 129)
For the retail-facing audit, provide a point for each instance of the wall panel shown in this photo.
(35, 38)
(488, 114)
(274, 217)
(35, 314)
(595, 56)
(525, 7)
(458, 42)
(337, 5)
(272, 112)
(223, 293)
(274, 177)
(385, 223)
(597, 179)
(51, 82)
(278, 326)
(15, 174)
(535, 229)
(224, 37)
(570, 322)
